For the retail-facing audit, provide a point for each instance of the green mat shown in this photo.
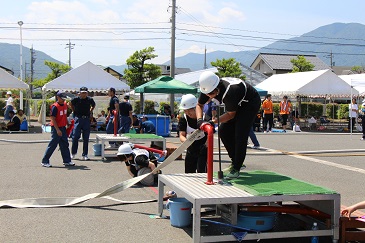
(267, 183)
(143, 135)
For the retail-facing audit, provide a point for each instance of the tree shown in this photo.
(228, 68)
(301, 65)
(357, 69)
(57, 70)
(140, 72)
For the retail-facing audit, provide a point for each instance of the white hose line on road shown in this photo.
(69, 201)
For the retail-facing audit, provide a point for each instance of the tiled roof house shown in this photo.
(269, 64)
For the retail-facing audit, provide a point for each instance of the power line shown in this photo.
(269, 48)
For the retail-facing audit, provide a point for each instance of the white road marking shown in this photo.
(324, 162)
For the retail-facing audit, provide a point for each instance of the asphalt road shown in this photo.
(101, 220)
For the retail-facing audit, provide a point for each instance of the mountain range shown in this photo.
(344, 40)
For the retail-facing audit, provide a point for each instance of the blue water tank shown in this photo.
(162, 124)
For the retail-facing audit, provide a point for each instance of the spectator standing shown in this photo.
(58, 132)
(196, 153)
(353, 110)
(268, 113)
(252, 135)
(9, 106)
(285, 108)
(147, 126)
(210, 110)
(14, 123)
(363, 119)
(242, 103)
(113, 106)
(125, 111)
(82, 107)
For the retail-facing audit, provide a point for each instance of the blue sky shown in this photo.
(107, 32)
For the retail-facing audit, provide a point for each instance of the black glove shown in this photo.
(200, 122)
(211, 123)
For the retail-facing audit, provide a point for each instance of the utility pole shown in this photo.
(331, 59)
(25, 72)
(32, 61)
(172, 60)
(70, 47)
(205, 57)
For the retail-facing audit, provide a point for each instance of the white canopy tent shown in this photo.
(8, 81)
(357, 81)
(192, 78)
(322, 83)
(89, 75)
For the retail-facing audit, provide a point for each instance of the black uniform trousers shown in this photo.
(234, 133)
(196, 158)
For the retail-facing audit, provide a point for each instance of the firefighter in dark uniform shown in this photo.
(196, 153)
(83, 107)
(242, 103)
(113, 106)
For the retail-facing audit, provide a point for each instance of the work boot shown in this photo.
(233, 174)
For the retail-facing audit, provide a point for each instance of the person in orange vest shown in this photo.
(58, 132)
(267, 107)
(285, 108)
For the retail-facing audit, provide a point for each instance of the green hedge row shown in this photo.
(333, 110)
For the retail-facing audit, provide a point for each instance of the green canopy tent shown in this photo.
(164, 85)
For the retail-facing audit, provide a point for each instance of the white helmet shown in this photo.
(188, 101)
(124, 149)
(8, 93)
(208, 81)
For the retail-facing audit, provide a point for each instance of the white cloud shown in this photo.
(73, 12)
(223, 15)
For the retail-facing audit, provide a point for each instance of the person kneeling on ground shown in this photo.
(138, 162)
(147, 126)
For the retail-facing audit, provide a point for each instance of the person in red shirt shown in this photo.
(58, 132)
(267, 107)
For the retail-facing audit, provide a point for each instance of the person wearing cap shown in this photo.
(82, 107)
(125, 115)
(13, 124)
(196, 153)
(9, 105)
(58, 132)
(242, 103)
(147, 126)
(136, 124)
(113, 106)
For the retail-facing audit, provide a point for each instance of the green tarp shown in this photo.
(166, 85)
(267, 183)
